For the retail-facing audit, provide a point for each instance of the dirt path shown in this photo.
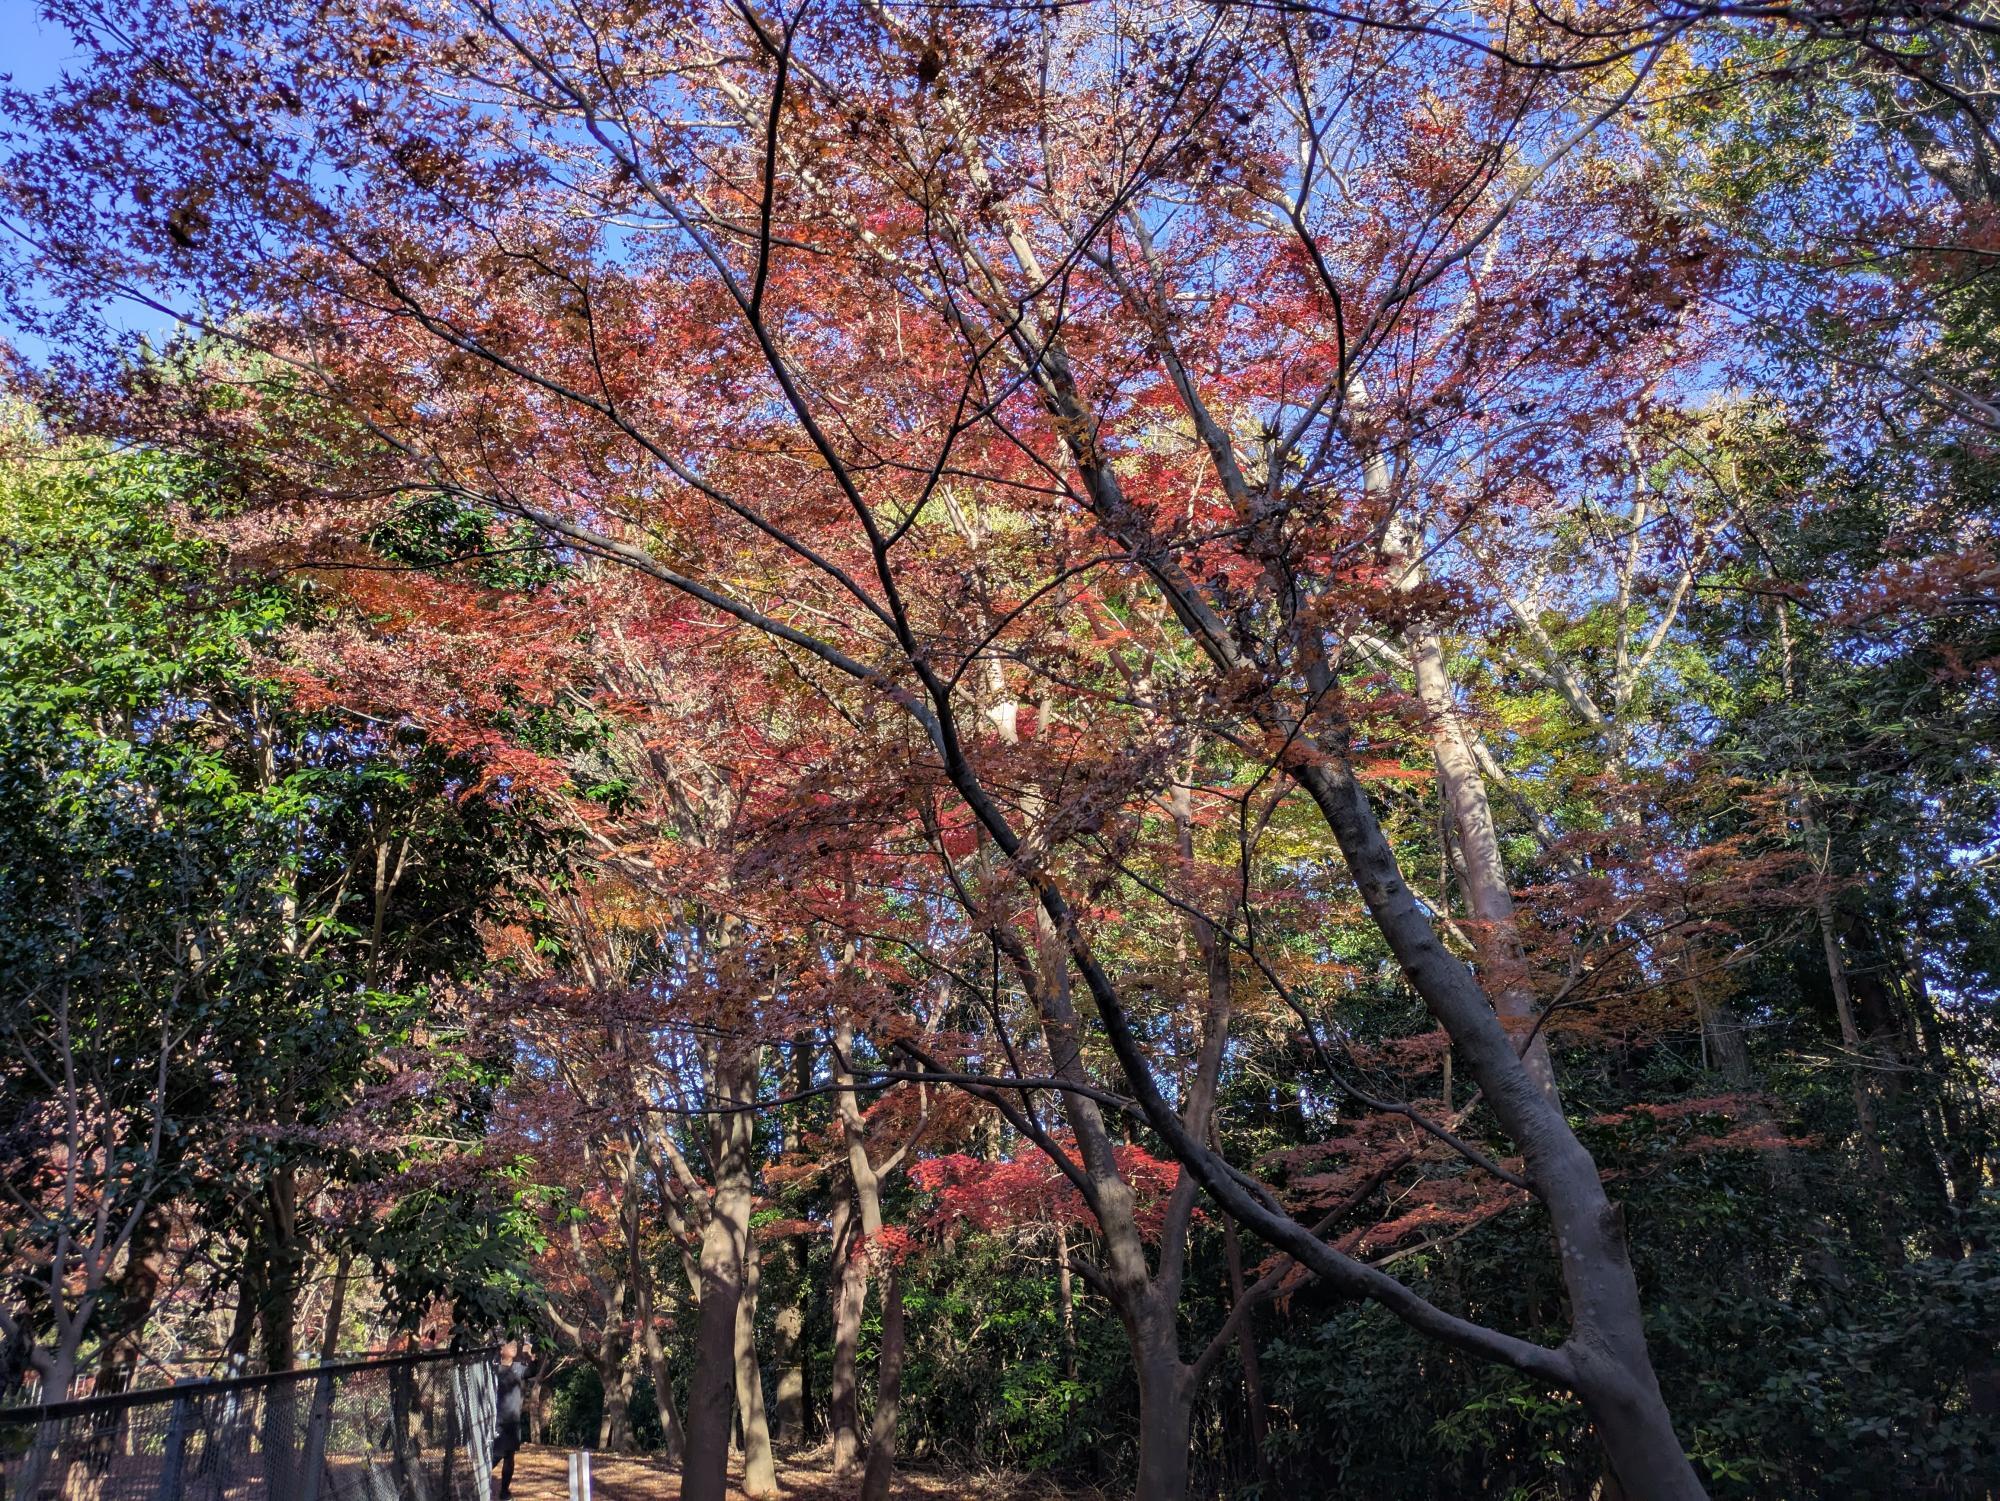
(543, 1475)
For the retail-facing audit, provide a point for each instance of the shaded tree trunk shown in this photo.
(674, 1444)
(1166, 1403)
(131, 1303)
(712, 1388)
(614, 1426)
(760, 1475)
(1873, 1165)
(850, 1290)
(284, 1262)
(788, 1351)
(336, 1307)
(1246, 1346)
(881, 1468)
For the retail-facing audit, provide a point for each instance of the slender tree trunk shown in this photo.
(249, 1297)
(881, 1469)
(1066, 1302)
(760, 1474)
(1873, 1166)
(336, 1307)
(284, 1264)
(788, 1350)
(712, 1389)
(1246, 1346)
(674, 1445)
(850, 1292)
(1483, 876)
(538, 1403)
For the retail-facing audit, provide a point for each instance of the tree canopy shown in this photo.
(1211, 746)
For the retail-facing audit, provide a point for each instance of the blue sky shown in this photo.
(33, 53)
(31, 49)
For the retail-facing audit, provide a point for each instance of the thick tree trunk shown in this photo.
(1624, 1403)
(712, 1388)
(1166, 1403)
(284, 1264)
(614, 1425)
(760, 1474)
(881, 1469)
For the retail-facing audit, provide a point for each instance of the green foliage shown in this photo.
(229, 923)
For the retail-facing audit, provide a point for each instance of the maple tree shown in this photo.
(1041, 551)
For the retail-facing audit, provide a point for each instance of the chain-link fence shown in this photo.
(414, 1428)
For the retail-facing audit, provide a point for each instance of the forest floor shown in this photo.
(543, 1475)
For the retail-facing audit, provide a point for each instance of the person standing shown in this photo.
(510, 1403)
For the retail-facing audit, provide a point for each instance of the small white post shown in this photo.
(586, 1475)
(575, 1489)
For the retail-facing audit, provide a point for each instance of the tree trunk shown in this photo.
(336, 1307)
(1066, 1302)
(1166, 1404)
(760, 1474)
(674, 1445)
(1246, 1346)
(1624, 1402)
(243, 1323)
(284, 1263)
(1873, 1166)
(881, 1470)
(538, 1402)
(132, 1301)
(1489, 895)
(712, 1389)
(789, 1326)
(850, 1292)
(614, 1425)
(789, 1352)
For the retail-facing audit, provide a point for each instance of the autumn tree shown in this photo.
(1093, 413)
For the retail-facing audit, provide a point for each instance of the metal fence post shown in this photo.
(174, 1460)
